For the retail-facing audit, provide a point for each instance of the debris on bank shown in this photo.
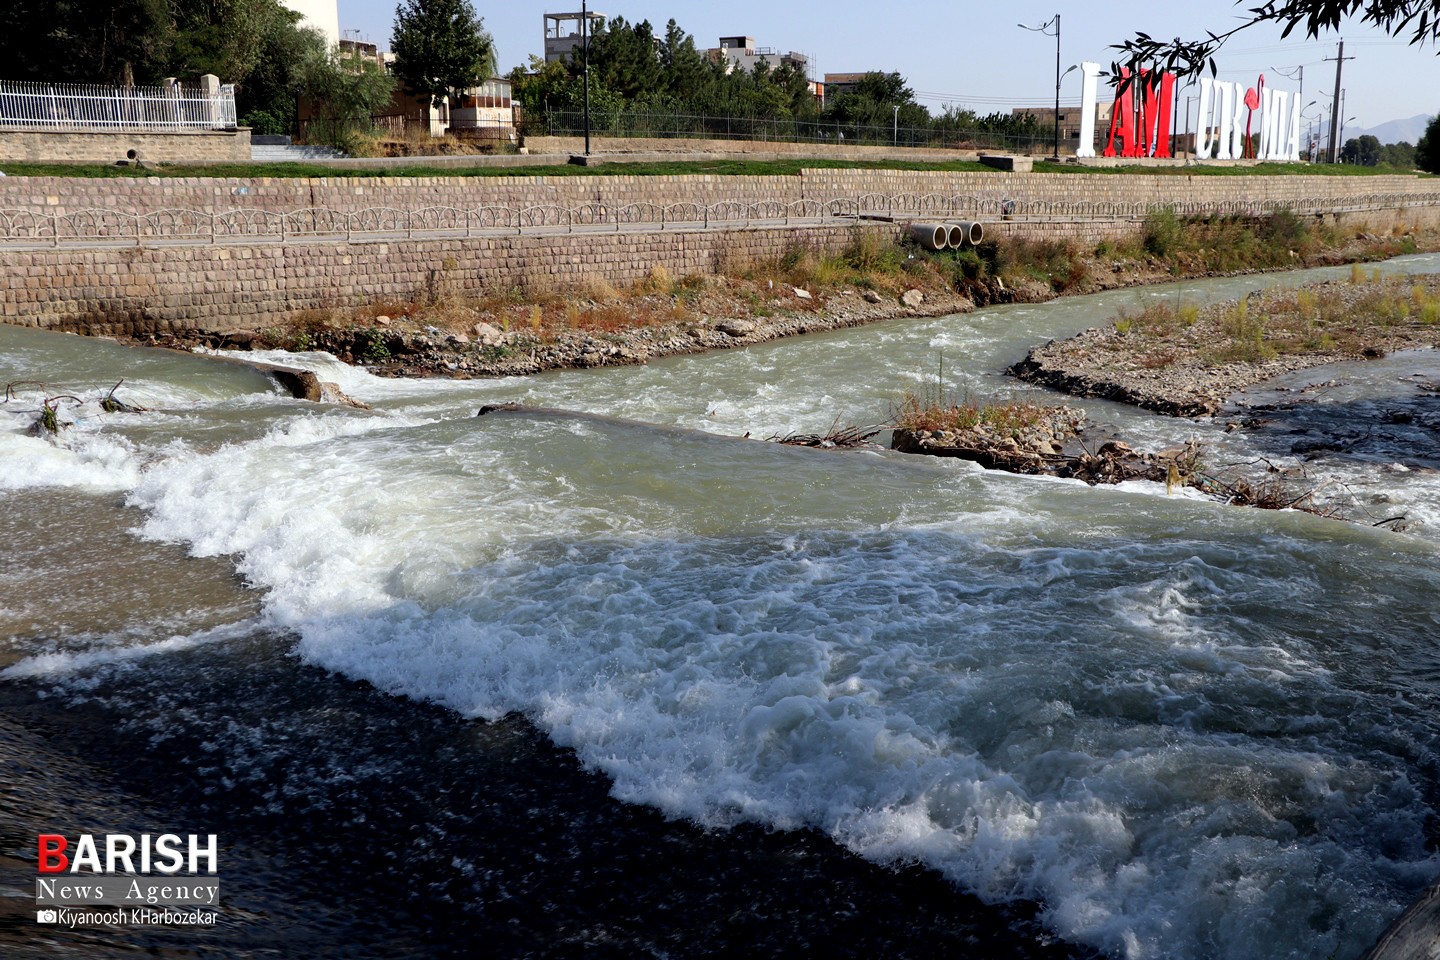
(1049, 441)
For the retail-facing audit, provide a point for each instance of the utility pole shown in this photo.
(1339, 59)
(585, 40)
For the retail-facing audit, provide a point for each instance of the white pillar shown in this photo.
(1225, 104)
(1202, 143)
(1089, 80)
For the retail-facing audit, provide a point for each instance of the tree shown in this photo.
(1427, 151)
(441, 48)
(1363, 150)
(624, 58)
(344, 92)
(1420, 18)
(1401, 155)
(84, 41)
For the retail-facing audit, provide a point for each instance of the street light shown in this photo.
(895, 130)
(1045, 29)
(1341, 139)
(585, 40)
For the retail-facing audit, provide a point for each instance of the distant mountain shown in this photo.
(1395, 131)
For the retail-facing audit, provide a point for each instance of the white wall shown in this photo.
(323, 15)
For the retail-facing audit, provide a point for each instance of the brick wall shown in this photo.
(145, 289)
(108, 146)
(147, 194)
(139, 290)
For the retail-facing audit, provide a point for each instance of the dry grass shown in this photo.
(1009, 418)
(1347, 317)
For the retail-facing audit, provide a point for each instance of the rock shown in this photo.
(802, 294)
(912, 298)
(331, 393)
(873, 296)
(735, 328)
(301, 384)
(488, 334)
(459, 339)
(382, 321)
(1116, 448)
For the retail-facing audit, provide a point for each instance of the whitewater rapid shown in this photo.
(1185, 730)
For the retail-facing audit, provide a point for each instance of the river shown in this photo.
(623, 684)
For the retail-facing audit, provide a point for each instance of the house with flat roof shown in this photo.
(563, 32)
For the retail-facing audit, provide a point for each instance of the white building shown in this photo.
(322, 15)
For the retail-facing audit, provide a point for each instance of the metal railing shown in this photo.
(59, 106)
(628, 123)
(107, 226)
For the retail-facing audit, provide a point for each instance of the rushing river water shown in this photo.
(625, 685)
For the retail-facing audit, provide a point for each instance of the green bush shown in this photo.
(1163, 233)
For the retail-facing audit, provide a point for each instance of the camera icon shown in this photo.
(46, 916)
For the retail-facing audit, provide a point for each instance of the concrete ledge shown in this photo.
(23, 145)
(1007, 162)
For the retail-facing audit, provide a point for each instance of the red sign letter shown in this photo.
(52, 853)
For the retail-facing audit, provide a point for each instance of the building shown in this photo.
(1069, 122)
(741, 53)
(321, 15)
(839, 84)
(563, 32)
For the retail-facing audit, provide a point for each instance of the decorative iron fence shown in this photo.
(60, 106)
(105, 226)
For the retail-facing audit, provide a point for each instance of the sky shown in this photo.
(974, 55)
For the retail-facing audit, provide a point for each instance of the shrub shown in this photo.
(1163, 233)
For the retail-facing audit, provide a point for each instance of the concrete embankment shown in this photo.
(154, 256)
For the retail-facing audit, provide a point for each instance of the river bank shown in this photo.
(1187, 361)
(520, 332)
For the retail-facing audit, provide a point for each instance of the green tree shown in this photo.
(1427, 151)
(1363, 150)
(85, 41)
(687, 73)
(624, 58)
(1401, 155)
(441, 48)
(344, 92)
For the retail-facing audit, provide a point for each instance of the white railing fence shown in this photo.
(62, 106)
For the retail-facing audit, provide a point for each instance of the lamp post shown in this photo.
(1341, 139)
(1309, 131)
(585, 42)
(895, 129)
(1045, 29)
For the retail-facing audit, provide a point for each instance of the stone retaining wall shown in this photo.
(142, 290)
(145, 195)
(109, 146)
(154, 289)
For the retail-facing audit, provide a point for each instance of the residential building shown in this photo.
(1069, 122)
(321, 15)
(839, 84)
(563, 32)
(742, 53)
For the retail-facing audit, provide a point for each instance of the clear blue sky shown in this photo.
(974, 55)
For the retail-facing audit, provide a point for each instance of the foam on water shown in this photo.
(59, 665)
(79, 459)
(1187, 730)
(1118, 727)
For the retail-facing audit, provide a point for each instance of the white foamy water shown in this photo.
(1186, 730)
